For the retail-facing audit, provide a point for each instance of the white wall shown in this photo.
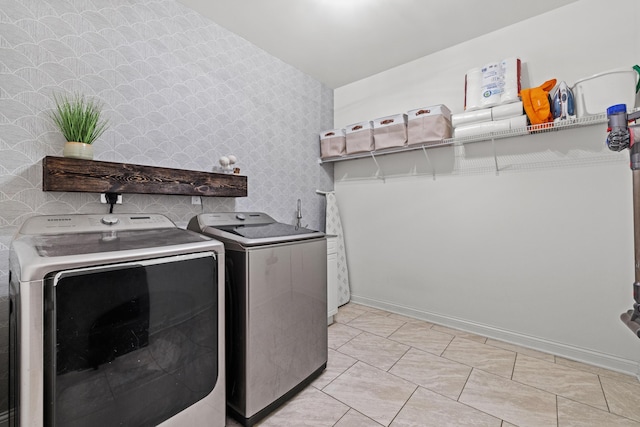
(575, 41)
(540, 253)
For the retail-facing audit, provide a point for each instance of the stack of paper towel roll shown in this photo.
(491, 100)
(493, 84)
(501, 118)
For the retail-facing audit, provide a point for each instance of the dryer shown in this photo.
(115, 320)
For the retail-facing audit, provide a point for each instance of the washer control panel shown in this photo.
(219, 219)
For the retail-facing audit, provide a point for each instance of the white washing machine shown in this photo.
(276, 309)
(115, 320)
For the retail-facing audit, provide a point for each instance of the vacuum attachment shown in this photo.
(630, 318)
(619, 137)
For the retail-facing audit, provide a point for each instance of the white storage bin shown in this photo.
(332, 143)
(359, 137)
(390, 131)
(593, 95)
(429, 125)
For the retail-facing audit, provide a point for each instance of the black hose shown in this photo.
(112, 199)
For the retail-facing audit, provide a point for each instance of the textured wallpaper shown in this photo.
(179, 91)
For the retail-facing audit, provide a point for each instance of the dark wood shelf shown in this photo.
(93, 176)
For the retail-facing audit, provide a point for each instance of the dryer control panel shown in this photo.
(81, 223)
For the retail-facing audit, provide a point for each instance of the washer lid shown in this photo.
(265, 234)
(249, 228)
(265, 231)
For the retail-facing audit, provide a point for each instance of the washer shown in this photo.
(115, 320)
(276, 308)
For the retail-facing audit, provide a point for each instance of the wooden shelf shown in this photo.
(92, 176)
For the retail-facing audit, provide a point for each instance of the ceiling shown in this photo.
(341, 41)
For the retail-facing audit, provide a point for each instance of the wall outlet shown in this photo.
(196, 200)
(103, 199)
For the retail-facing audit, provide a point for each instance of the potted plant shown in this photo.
(80, 123)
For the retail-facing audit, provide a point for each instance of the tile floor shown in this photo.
(390, 370)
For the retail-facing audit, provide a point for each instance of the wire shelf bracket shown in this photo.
(433, 170)
(379, 172)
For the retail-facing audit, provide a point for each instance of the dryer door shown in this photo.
(130, 344)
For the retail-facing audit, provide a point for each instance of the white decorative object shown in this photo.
(225, 164)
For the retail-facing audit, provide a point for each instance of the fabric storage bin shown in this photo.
(428, 125)
(593, 95)
(332, 143)
(359, 137)
(390, 131)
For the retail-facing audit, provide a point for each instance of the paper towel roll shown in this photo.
(472, 89)
(507, 110)
(519, 125)
(501, 125)
(491, 85)
(511, 71)
(495, 126)
(467, 117)
(473, 129)
(518, 122)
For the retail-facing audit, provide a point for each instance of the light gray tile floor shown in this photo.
(386, 369)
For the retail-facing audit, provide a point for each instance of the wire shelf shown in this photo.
(528, 130)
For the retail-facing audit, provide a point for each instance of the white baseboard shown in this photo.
(629, 367)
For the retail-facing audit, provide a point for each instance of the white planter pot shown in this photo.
(78, 150)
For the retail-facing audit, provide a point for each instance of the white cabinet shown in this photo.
(332, 278)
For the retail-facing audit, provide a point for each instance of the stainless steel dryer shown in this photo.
(276, 308)
(115, 320)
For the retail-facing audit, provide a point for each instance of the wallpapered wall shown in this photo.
(179, 91)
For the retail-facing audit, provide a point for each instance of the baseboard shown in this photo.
(625, 366)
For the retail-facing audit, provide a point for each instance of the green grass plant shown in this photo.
(78, 118)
